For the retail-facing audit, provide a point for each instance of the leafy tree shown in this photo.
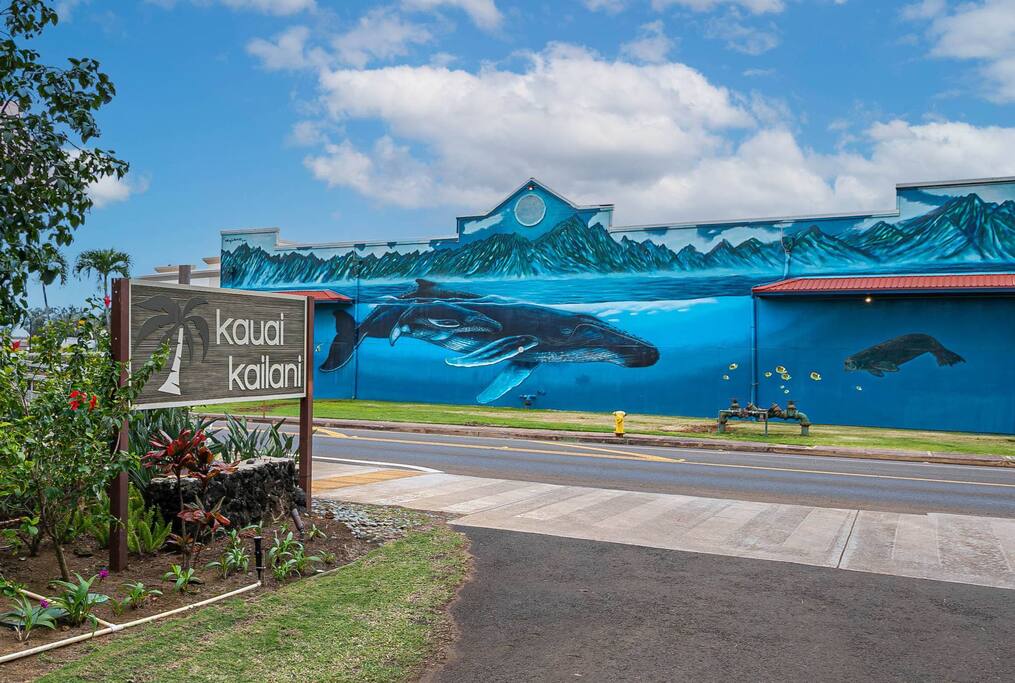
(36, 318)
(103, 263)
(60, 408)
(47, 122)
(56, 269)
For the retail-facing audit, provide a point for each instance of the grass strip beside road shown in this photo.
(690, 427)
(378, 619)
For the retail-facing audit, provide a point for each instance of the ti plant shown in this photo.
(180, 577)
(26, 616)
(77, 601)
(188, 455)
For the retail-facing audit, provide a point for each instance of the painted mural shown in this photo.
(547, 299)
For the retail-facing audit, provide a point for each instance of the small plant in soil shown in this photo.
(10, 589)
(26, 616)
(181, 578)
(328, 557)
(77, 601)
(303, 563)
(233, 559)
(138, 595)
(315, 532)
(287, 556)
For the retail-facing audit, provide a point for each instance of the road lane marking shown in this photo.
(420, 468)
(630, 455)
(616, 455)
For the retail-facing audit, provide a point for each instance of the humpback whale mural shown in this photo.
(491, 331)
(551, 297)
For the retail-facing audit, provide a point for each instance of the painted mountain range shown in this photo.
(965, 230)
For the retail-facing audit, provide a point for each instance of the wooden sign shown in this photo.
(224, 345)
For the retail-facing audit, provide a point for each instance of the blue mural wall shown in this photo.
(545, 301)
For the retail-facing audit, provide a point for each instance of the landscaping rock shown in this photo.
(260, 488)
(368, 523)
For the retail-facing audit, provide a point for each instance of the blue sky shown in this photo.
(355, 120)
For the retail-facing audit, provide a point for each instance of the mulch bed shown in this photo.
(86, 558)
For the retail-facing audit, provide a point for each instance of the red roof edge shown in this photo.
(318, 294)
(897, 284)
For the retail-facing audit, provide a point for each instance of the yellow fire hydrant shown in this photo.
(618, 417)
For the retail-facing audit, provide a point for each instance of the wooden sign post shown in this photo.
(224, 346)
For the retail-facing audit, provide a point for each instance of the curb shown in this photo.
(651, 440)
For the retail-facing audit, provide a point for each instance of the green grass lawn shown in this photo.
(377, 619)
(788, 433)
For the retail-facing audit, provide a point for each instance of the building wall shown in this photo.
(545, 299)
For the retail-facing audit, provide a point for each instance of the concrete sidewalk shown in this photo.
(652, 440)
(944, 547)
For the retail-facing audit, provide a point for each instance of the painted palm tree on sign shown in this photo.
(174, 319)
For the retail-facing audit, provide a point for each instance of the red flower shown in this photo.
(16, 345)
(75, 404)
(92, 401)
(106, 300)
(75, 399)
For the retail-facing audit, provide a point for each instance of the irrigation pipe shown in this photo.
(113, 628)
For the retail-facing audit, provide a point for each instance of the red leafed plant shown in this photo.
(188, 455)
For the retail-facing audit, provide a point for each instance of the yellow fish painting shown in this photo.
(733, 366)
(786, 376)
(768, 373)
(725, 376)
(780, 369)
(816, 376)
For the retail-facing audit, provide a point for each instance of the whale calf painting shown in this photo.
(547, 303)
(491, 331)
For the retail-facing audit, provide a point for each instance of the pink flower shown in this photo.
(103, 573)
(43, 603)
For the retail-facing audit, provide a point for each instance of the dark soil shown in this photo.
(36, 573)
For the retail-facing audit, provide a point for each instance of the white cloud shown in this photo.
(379, 34)
(659, 140)
(483, 13)
(110, 190)
(652, 44)
(754, 6)
(276, 7)
(608, 6)
(740, 37)
(982, 31)
(286, 51)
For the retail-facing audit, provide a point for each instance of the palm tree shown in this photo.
(56, 269)
(103, 263)
(178, 321)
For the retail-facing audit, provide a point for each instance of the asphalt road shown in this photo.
(807, 480)
(556, 609)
